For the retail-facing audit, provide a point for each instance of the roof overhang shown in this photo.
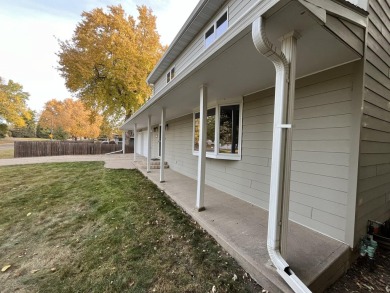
(232, 67)
(200, 16)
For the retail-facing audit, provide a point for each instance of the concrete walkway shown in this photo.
(240, 227)
(115, 161)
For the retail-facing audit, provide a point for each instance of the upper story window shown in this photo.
(223, 135)
(171, 74)
(217, 29)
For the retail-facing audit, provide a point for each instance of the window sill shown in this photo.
(235, 157)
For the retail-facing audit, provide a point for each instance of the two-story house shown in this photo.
(284, 104)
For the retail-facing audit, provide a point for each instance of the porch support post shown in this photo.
(149, 143)
(202, 150)
(289, 49)
(162, 152)
(284, 63)
(123, 141)
(135, 142)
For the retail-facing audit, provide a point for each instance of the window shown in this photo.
(210, 136)
(228, 129)
(221, 25)
(216, 30)
(223, 138)
(171, 74)
(209, 37)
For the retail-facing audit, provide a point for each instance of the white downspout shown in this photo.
(280, 171)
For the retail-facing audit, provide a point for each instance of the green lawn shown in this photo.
(6, 154)
(77, 227)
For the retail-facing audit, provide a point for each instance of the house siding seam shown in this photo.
(373, 199)
(321, 151)
(196, 47)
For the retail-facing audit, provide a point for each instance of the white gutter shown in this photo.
(280, 171)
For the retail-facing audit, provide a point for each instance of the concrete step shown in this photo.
(155, 164)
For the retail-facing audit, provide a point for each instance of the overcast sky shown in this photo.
(29, 29)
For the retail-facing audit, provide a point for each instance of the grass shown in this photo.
(77, 227)
(6, 153)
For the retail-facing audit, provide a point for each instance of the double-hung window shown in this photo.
(170, 74)
(223, 134)
(216, 30)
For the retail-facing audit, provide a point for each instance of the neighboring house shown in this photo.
(219, 73)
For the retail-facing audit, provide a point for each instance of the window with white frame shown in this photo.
(171, 74)
(224, 127)
(217, 29)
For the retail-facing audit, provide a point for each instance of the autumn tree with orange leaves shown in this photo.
(72, 117)
(13, 103)
(108, 59)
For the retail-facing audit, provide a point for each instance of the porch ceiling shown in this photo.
(238, 69)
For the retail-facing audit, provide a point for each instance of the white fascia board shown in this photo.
(258, 8)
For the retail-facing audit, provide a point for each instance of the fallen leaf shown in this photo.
(6, 267)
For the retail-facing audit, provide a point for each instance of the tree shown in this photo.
(69, 117)
(13, 107)
(29, 129)
(108, 59)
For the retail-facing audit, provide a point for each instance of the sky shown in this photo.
(30, 30)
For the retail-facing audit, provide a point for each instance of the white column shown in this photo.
(149, 143)
(124, 142)
(162, 152)
(135, 141)
(289, 49)
(202, 150)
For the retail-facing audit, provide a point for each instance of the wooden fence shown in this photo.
(63, 148)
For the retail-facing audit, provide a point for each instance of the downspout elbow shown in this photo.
(282, 66)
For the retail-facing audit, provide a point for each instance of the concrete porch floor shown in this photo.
(241, 228)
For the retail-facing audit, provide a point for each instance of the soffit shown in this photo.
(237, 69)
